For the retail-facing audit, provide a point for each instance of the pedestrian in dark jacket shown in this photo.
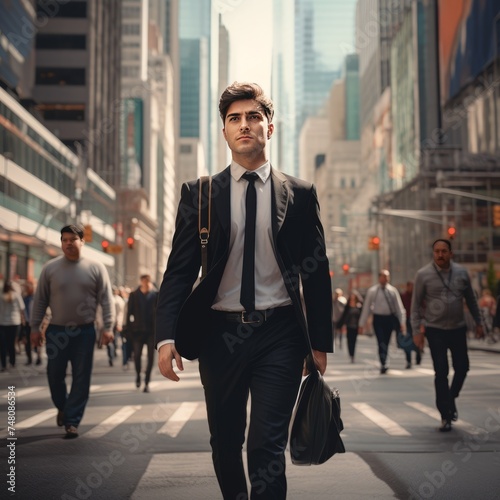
(141, 309)
(350, 318)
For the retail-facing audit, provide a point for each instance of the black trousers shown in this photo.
(383, 326)
(139, 339)
(440, 341)
(8, 335)
(352, 336)
(265, 362)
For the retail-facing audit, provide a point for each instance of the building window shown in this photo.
(319, 160)
(185, 149)
(60, 76)
(56, 9)
(66, 112)
(61, 42)
(131, 29)
(130, 71)
(131, 12)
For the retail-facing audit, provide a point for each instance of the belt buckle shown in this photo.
(262, 316)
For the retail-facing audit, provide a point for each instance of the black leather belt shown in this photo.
(70, 326)
(255, 317)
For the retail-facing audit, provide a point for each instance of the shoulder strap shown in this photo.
(204, 209)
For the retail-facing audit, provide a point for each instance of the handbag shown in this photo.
(316, 422)
(405, 341)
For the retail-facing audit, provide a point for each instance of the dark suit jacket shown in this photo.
(182, 312)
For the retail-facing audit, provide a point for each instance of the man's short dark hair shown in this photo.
(72, 228)
(448, 243)
(241, 91)
(145, 276)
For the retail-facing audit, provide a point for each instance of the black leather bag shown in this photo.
(316, 423)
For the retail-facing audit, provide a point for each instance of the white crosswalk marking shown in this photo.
(465, 426)
(24, 392)
(37, 419)
(111, 422)
(432, 412)
(388, 425)
(179, 418)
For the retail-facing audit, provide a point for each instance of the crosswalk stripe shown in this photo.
(426, 371)
(36, 419)
(25, 391)
(111, 422)
(178, 419)
(388, 425)
(432, 412)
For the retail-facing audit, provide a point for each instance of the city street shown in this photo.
(155, 445)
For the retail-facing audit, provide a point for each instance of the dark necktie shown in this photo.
(247, 297)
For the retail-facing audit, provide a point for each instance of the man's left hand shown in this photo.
(479, 332)
(319, 361)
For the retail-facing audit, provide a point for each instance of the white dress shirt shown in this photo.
(270, 290)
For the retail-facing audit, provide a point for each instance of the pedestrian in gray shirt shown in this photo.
(437, 312)
(72, 286)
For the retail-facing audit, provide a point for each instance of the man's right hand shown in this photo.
(166, 356)
(419, 340)
(36, 338)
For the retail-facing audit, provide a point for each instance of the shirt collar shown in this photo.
(237, 171)
(442, 269)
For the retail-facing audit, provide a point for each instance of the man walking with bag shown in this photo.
(245, 319)
(384, 302)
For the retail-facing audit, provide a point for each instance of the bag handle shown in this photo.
(204, 220)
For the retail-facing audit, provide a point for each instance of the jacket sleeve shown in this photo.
(316, 281)
(182, 268)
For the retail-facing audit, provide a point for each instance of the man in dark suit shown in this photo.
(245, 321)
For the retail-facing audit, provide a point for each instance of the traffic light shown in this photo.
(496, 215)
(374, 243)
(130, 242)
(105, 246)
(345, 268)
(87, 233)
(452, 232)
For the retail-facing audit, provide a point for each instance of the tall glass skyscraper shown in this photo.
(199, 58)
(313, 54)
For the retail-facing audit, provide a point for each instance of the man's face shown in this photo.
(247, 130)
(442, 254)
(71, 245)
(383, 279)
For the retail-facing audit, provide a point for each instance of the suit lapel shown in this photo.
(221, 198)
(279, 200)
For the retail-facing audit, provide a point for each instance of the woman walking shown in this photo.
(11, 318)
(350, 318)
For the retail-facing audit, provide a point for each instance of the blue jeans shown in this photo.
(74, 345)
